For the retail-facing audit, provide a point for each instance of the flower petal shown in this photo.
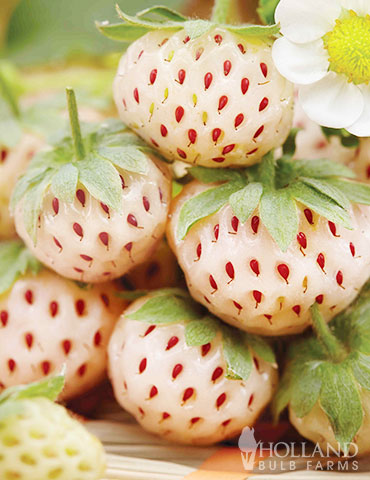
(332, 101)
(304, 21)
(361, 7)
(302, 64)
(361, 128)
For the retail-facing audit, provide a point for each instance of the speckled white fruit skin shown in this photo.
(134, 72)
(241, 248)
(361, 164)
(311, 143)
(112, 260)
(48, 440)
(129, 345)
(11, 168)
(316, 427)
(50, 332)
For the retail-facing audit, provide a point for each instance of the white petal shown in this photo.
(302, 64)
(332, 101)
(361, 7)
(304, 21)
(361, 127)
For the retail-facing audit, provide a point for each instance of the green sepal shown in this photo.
(204, 204)
(261, 347)
(215, 175)
(165, 308)
(201, 331)
(102, 181)
(245, 201)
(320, 204)
(322, 168)
(15, 261)
(279, 214)
(329, 190)
(266, 10)
(50, 388)
(255, 30)
(356, 192)
(282, 396)
(64, 182)
(341, 401)
(306, 389)
(237, 355)
(165, 19)
(128, 158)
(361, 370)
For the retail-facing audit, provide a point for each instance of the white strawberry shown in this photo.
(95, 213)
(187, 377)
(326, 382)
(264, 244)
(202, 92)
(313, 143)
(13, 162)
(39, 440)
(47, 321)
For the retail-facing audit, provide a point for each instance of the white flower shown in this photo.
(325, 50)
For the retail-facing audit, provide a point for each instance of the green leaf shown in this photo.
(356, 192)
(15, 260)
(267, 170)
(128, 158)
(282, 396)
(121, 32)
(341, 401)
(200, 332)
(266, 10)
(329, 190)
(347, 139)
(214, 175)
(361, 370)
(321, 168)
(279, 214)
(306, 389)
(64, 183)
(320, 203)
(163, 309)
(245, 201)
(261, 347)
(289, 146)
(255, 30)
(197, 28)
(151, 25)
(237, 355)
(204, 204)
(102, 181)
(22, 185)
(49, 388)
(32, 202)
(161, 11)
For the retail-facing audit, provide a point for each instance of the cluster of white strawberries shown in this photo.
(91, 212)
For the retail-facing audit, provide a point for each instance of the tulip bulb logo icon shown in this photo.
(248, 446)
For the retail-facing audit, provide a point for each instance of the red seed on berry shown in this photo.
(255, 224)
(179, 113)
(136, 95)
(283, 270)
(321, 261)
(227, 67)
(222, 102)
(264, 69)
(245, 85)
(216, 132)
(153, 76)
(192, 135)
(238, 120)
(208, 77)
(255, 266)
(264, 103)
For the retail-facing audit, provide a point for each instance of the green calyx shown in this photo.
(94, 160)
(49, 388)
(15, 261)
(170, 306)
(275, 189)
(164, 18)
(346, 139)
(332, 369)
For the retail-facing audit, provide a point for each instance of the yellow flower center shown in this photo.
(348, 46)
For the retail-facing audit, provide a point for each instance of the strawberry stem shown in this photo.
(75, 124)
(9, 96)
(222, 11)
(334, 349)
